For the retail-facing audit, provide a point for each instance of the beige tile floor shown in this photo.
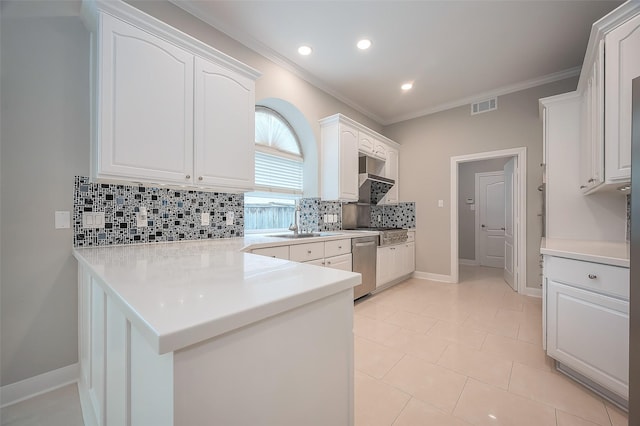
(430, 353)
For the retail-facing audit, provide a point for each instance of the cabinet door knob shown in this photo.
(200, 178)
(591, 180)
(188, 177)
(583, 186)
(308, 251)
(592, 276)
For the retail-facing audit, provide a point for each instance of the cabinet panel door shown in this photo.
(224, 127)
(145, 123)
(391, 172)
(589, 332)
(622, 66)
(348, 163)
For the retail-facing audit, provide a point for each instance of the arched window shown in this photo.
(279, 174)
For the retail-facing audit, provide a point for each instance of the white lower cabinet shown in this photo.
(394, 262)
(334, 254)
(587, 321)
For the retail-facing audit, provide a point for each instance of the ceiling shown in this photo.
(455, 52)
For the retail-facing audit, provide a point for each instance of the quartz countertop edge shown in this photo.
(178, 294)
(605, 252)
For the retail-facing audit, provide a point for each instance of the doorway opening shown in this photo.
(514, 241)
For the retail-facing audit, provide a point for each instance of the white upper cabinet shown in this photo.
(145, 105)
(167, 109)
(611, 63)
(343, 141)
(391, 172)
(622, 65)
(592, 126)
(224, 132)
(339, 161)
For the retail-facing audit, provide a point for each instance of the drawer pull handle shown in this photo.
(339, 247)
(592, 276)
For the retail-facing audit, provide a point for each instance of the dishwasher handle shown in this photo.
(370, 243)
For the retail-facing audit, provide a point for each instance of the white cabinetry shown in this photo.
(331, 254)
(394, 262)
(622, 65)
(167, 109)
(339, 161)
(224, 147)
(391, 172)
(592, 126)
(343, 140)
(587, 321)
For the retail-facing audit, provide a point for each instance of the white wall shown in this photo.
(428, 143)
(467, 189)
(44, 143)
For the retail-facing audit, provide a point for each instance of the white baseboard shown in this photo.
(34, 386)
(533, 292)
(468, 262)
(432, 277)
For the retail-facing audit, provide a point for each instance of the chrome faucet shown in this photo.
(295, 227)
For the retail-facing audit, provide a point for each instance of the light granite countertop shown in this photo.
(181, 293)
(606, 252)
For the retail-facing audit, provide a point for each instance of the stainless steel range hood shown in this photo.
(372, 187)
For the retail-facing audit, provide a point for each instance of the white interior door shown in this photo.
(509, 220)
(491, 204)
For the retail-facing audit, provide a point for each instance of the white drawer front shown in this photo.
(343, 262)
(337, 247)
(317, 262)
(605, 279)
(280, 252)
(306, 252)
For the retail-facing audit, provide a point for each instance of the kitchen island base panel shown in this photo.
(290, 369)
(295, 367)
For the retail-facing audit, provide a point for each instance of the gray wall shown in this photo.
(44, 143)
(427, 145)
(466, 216)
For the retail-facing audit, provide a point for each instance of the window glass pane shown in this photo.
(273, 131)
(266, 212)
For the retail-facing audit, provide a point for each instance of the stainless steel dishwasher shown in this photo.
(363, 252)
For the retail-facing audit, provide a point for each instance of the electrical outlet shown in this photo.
(93, 220)
(230, 216)
(326, 218)
(440, 203)
(204, 218)
(142, 219)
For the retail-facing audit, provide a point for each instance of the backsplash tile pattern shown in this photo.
(312, 211)
(173, 215)
(330, 207)
(401, 215)
(309, 212)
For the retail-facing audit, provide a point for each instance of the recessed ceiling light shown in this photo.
(364, 44)
(406, 86)
(305, 50)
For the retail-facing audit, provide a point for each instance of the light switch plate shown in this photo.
(93, 220)
(62, 220)
(230, 216)
(440, 203)
(204, 218)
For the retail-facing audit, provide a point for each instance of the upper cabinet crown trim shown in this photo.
(344, 119)
(617, 17)
(90, 14)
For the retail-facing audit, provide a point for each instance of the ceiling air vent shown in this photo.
(484, 106)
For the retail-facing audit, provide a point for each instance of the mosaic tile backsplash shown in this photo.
(313, 210)
(173, 215)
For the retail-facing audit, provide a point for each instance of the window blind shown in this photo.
(278, 174)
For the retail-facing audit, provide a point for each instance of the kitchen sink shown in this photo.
(305, 235)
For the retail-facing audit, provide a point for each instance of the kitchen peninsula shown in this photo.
(201, 332)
